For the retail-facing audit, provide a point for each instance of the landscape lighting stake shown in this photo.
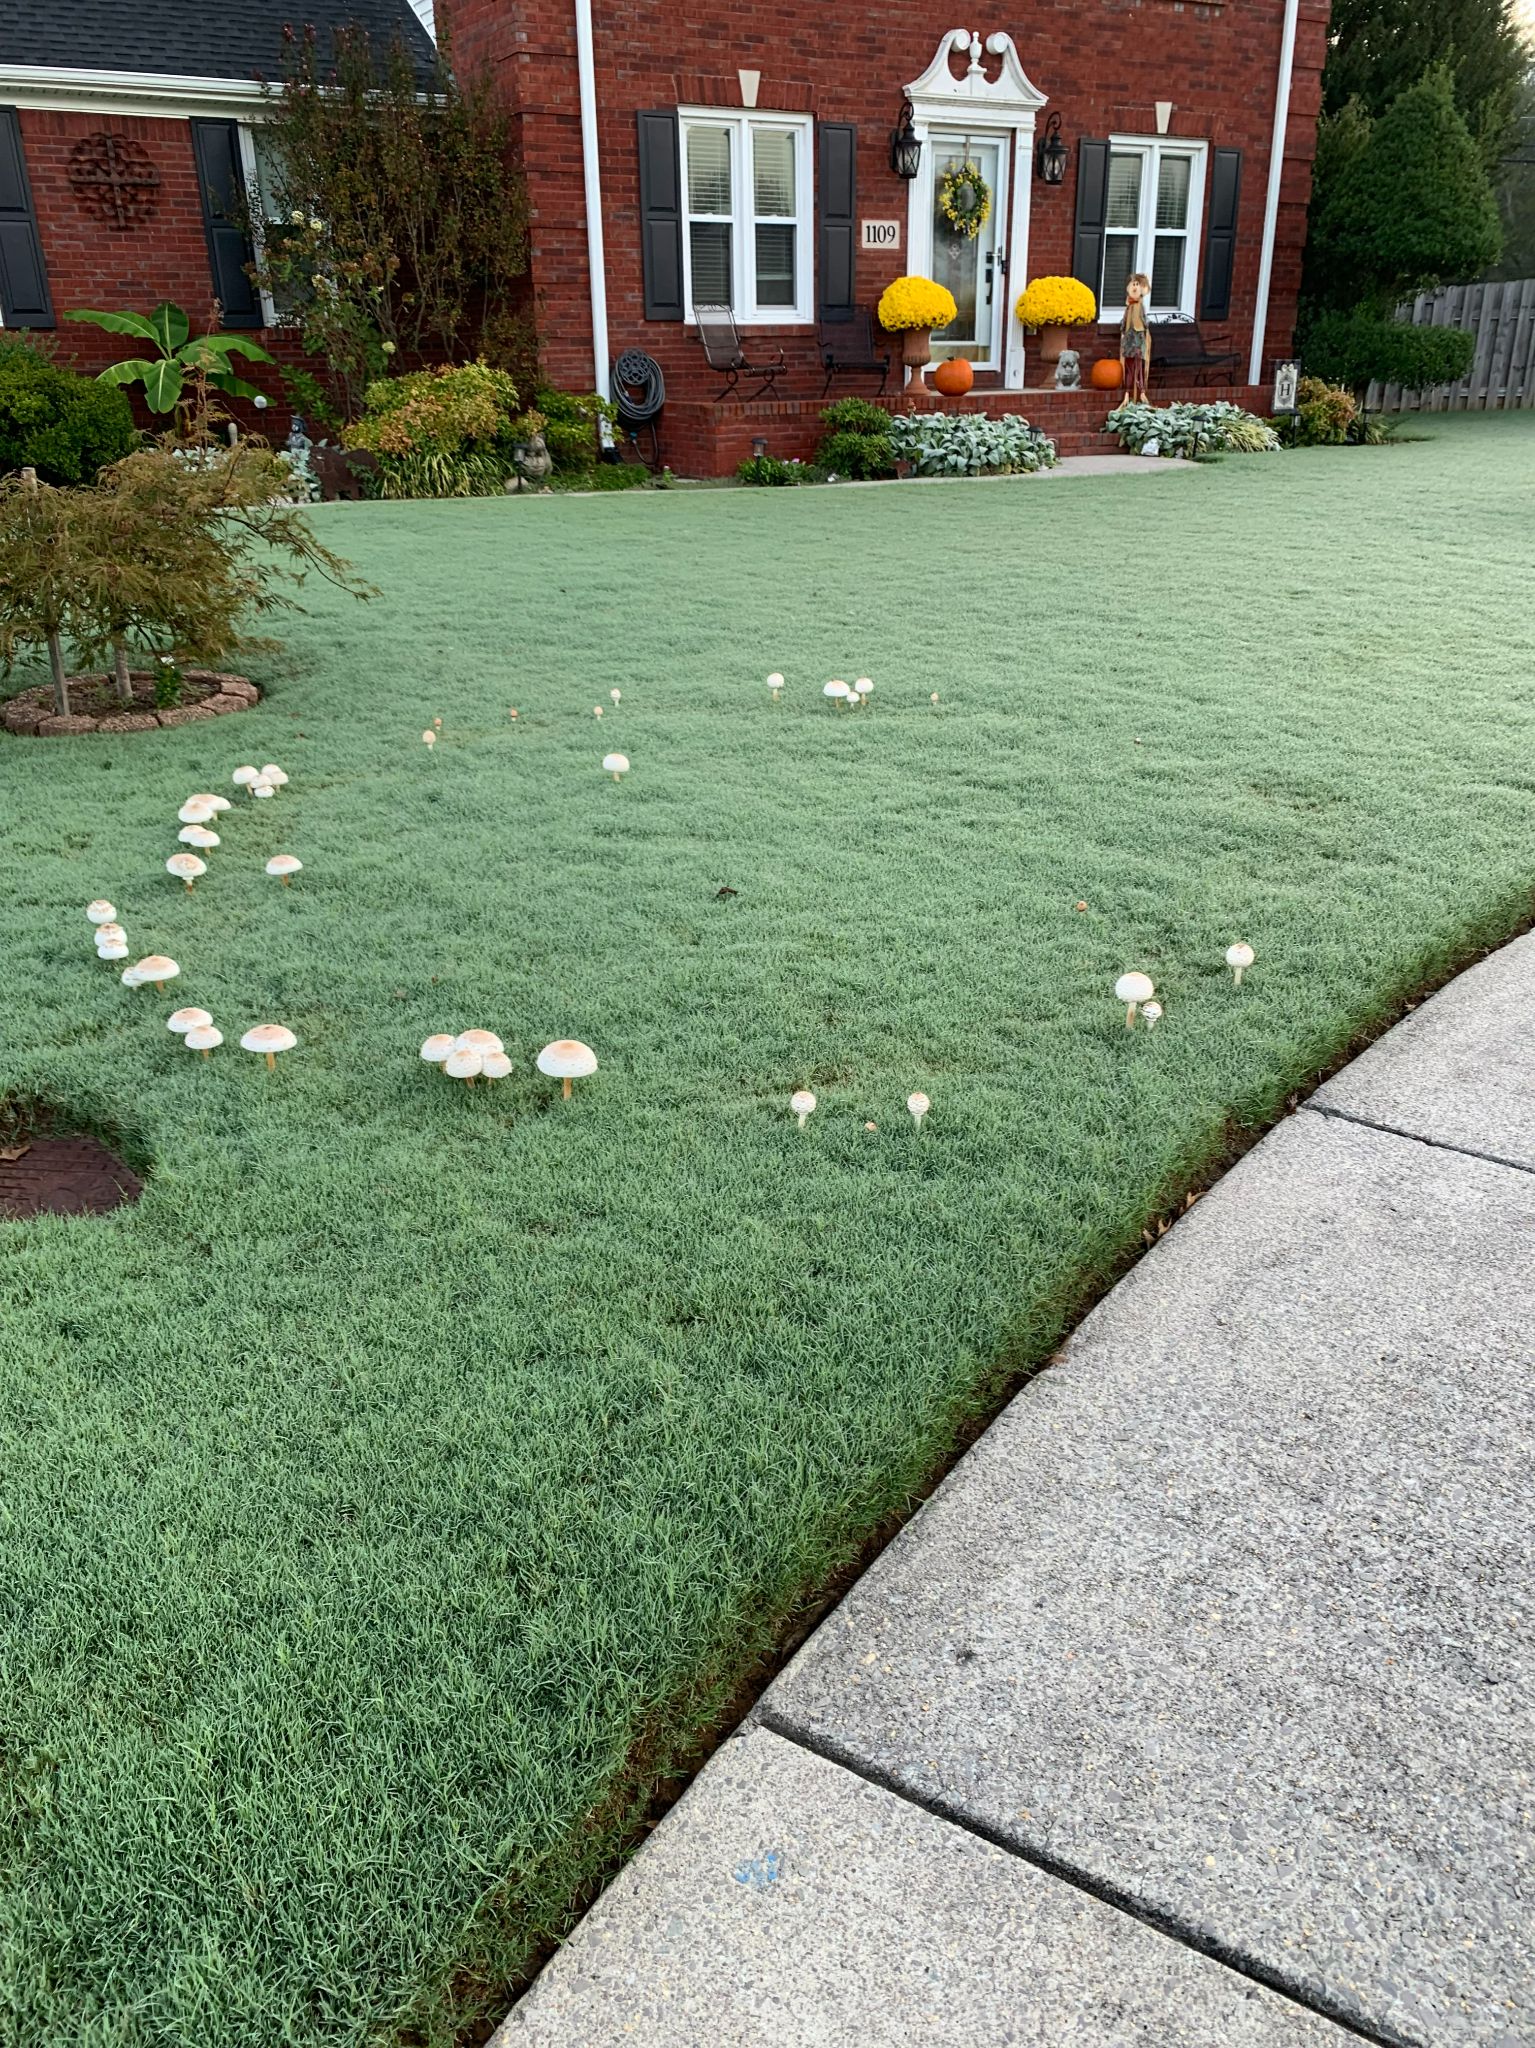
(1132, 989)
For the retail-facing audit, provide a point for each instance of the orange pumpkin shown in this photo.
(1107, 374)
(954, 377)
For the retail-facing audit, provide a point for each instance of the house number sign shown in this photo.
(881, 234)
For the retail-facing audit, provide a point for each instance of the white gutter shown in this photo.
(67, 90)
(595, 260)
(1276, 177)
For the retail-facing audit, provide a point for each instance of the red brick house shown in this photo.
(677, 155)
(125, 129)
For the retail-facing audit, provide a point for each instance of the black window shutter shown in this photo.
(1221, 236)
(216, 148)
(1092, 212)
(661, 213)
(24, 300)
(837, 203)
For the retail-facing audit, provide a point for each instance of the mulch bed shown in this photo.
(74, 1176)
(205, 693)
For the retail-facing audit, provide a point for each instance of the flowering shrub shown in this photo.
(1327, 412)
(916, 302)
(1190, 429)
(969, 444)
(445, 433)
(1056, 302)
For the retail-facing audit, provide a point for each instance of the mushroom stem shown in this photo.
(205, 1052)
(271, 1063)
(1237, 974)
(468, 1080)
(1130, 1017)
(565, 1087)
(191, 885)
(285, 881)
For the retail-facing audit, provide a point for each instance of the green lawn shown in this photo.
(410, 1463)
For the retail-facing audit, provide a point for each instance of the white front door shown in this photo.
(971, 265)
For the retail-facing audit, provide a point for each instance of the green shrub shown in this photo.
(855, 416)
(603, 476)
(573, 426)
(1325, 414)
(1210, 429)
(969, 444)
(855, 440)
(445, 433)
(64, 426)
(1361, 347)
(771, 470)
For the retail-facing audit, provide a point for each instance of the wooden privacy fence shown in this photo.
(1502, 317)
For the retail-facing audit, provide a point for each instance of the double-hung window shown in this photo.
(1151, 224)
(747, 187)
(263, 169)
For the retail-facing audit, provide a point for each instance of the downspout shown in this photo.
(1276, 178)
(596, 262)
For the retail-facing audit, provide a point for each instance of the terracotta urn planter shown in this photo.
(1052, 340)
(916, 353)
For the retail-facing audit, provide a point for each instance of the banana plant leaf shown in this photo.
(171, 326)
(119, 323)
(210, 350)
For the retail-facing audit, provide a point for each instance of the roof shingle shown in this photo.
(232, 39)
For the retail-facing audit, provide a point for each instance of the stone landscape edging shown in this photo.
(30, 715)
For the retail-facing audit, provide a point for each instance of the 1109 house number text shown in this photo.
(881, 234)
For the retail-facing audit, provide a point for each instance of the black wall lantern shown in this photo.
(1052, 153)
(905, 144)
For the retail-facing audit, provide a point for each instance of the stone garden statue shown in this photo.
(1068, 370)
(533, 462)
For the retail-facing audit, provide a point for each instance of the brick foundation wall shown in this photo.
(1103, 63)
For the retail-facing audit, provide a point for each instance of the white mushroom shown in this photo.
(1151, 1012)
(270, 1039)
(275, 775)
(862, 687)
(100, 912)
(116, 951)
(616, 765)
(919, 1106)
(429, 739)
(263, 788)
(934, 698)
(775, 684)
(437, 1047)
(838, 691)
(1132, 989)
(478, 1041)
(131, 977)
(1237, 957)
(214, 803)
(189, 1019)
(195, 811)
(463, 1063)
(154, 967)
(568, 1060)
(615, 695)
(283, 865)
(495, 1066)
(186, 867)
(802, 1102)
(199, 836)
(109, 935)
(246, 778)
(596, 711)
(203, 1038)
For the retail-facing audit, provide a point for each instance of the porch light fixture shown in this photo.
(905, 144)
(1052, 153)
(759, 447)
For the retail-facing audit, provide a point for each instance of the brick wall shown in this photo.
(131, 270)
(1103, 63)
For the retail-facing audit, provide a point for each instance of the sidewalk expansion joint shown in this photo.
(1105, 1893)
(1347, 1116)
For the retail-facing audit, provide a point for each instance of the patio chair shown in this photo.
(847, 345)
(723, 352)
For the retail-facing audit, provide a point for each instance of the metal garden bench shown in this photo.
(722, 349)
(847, 345)
(1179, 347)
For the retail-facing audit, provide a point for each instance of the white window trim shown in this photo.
(739, 123)
(1198, 153)
(270, 316)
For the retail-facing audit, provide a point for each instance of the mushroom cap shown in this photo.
(1135, 988)
(273, 774)
(918, 1103)
(263, 789)
(155, 967)
(189, 1019)
(429, 737)
(269, 1038)
(1240, 955)
(214, 803)
(195, 811)
(246, 776)
(478, 1041)
(863, 685)
(615, 764)
(835, 689)
(567, 1058)
(437, 1047)
(101, 912)
(131, 977)
(186, 865)
(495, 1066)
(775, 681)
(1151, 1012)
(116, 951)
(109, 935)
(284, 864)
(615, 695)
(802, 1102)
(204, 1037)
(464, 1062)
(197, 835)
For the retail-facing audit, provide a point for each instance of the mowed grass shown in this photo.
(411, 1465)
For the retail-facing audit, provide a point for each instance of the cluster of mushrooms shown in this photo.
(802, 1103)
(1138, 992)
(480, 1055)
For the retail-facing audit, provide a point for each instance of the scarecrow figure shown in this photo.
(1135, 336)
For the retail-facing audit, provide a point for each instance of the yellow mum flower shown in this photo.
(916, 302)
(1056, 302)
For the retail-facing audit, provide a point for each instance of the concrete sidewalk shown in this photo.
(1195, 1707)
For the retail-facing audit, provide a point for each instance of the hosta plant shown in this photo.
(969, 444)
(1216, 428)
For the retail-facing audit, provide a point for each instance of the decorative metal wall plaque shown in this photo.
(114, 178)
